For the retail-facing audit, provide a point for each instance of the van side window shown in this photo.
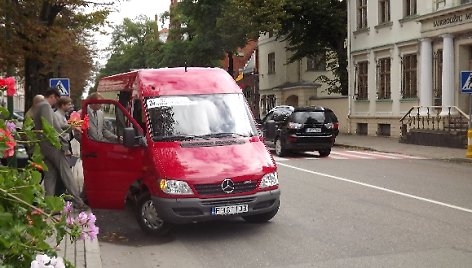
(104, 123)
(138, 113)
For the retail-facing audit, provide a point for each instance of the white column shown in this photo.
(447, 74)
(426, 75)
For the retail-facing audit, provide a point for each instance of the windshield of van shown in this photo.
(199, 116)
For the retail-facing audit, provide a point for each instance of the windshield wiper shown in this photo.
(226, 134)
(175, 138)
(180, 137)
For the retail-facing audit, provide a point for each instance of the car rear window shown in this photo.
(307, 117)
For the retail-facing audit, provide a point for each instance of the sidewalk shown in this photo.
(392, 145)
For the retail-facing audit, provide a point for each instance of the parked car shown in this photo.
(300, 129)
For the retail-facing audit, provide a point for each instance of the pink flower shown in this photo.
(92, 218)
(9, 141)
(74, 116)
(68, 207)
(93, 232)
(82, 218)
(70, 220)
(11, 126)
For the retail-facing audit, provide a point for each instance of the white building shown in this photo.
(405, 53)
(282, 83)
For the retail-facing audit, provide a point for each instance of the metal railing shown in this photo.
(433, 118)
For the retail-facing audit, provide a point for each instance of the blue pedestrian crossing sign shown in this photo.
(61, 84)
(466, 82)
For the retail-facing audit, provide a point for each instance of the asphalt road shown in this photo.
(334, 213)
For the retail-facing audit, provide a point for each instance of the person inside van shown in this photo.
(97, 128)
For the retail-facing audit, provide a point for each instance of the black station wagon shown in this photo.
(300, 129)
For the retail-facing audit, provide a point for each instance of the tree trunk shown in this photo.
(35, 83)
(230, 63)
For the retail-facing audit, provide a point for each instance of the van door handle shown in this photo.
(90, 155)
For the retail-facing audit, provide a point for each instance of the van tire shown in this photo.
(264, 217)
(280, 147)
(148, 217)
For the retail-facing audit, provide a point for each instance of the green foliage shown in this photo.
(318, 27)
(40, 39)
(26, 216)
(135, 45)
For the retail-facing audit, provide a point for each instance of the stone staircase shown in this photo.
(428, 126)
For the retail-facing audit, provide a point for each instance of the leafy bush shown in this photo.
(28, 218)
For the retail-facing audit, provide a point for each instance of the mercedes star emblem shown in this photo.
(227, 186)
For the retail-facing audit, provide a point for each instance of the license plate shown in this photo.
(229, 210)
(316, 129)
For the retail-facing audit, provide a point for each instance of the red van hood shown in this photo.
(210, 161)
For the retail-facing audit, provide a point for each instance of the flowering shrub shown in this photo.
(28, 218)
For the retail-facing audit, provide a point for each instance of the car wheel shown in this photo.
(324, 153)
(148, 217)
(279, 148)
(264, 217)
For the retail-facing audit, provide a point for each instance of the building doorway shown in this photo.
(292, 101)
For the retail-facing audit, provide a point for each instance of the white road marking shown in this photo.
(380, 188)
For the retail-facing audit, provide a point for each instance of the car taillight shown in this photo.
(335, 125)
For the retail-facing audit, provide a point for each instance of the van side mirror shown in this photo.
(130, 139)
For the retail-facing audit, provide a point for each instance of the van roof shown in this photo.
(172, 81)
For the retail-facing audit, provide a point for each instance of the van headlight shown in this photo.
(175, 187)
(269, 180)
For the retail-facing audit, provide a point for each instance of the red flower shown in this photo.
(10, 81)
(9, 141)
(8, 84)
(36, 166)
(85, 123)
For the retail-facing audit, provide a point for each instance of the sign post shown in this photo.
(466, 87)
(61, 84)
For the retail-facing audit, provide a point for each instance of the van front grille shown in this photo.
(215, 189)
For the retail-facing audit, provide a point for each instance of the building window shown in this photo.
(440, 4)
(362, 80)
(384, 11)
(409, 7)
(316, 63)
(361, 14)
(271, 63)
(267, 103)
(466, 1)
(409, 76)
(437, 77)
(383, 75)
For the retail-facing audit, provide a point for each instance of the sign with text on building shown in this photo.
(61, 84)
(466, 82)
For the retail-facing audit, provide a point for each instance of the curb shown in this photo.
(92, 254)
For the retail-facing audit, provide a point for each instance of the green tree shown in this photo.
(203, 31)
(41, 39)
(135, 45)
(318, 27)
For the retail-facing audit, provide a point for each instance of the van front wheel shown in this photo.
(148, 217)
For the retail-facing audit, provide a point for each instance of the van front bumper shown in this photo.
(188, 210)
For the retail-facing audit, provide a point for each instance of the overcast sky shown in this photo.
(131, 9)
